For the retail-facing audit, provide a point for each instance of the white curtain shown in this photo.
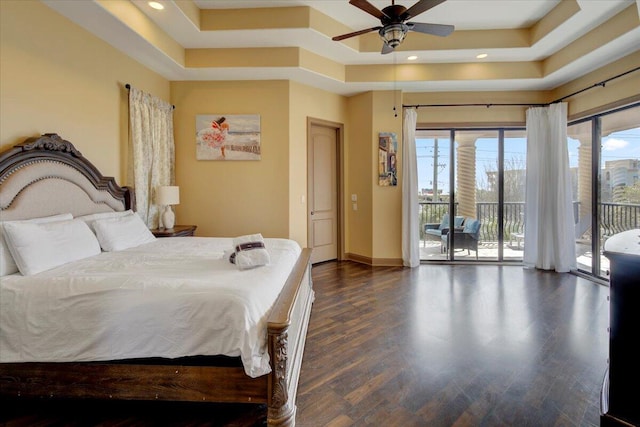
(549, 242)
(410, 225)
(151, 151)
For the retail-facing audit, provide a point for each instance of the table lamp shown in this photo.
(168, 195)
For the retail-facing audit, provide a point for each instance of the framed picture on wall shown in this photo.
(228, 137)
(387, 159)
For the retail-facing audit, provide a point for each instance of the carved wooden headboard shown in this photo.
(47, 175)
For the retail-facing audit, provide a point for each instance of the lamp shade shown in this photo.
(168, 195)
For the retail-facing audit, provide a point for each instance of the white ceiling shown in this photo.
(463, 14)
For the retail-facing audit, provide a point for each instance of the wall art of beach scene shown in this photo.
(228, 137)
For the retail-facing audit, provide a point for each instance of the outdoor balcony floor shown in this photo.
(430, 250)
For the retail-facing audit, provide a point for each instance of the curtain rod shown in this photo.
(475, 105)
(602, 83)
(599, 84)
(128, 86)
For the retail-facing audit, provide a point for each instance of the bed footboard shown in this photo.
(287, 330)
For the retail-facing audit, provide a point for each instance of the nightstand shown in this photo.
(176, 231)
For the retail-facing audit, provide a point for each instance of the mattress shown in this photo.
(170, 298)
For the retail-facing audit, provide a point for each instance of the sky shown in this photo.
(618, 145)
(622, 145)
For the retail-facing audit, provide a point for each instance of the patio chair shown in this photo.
(518, 237)
(467, 238)
(436, 230)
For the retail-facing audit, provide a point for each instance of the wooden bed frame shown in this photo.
(48, 165)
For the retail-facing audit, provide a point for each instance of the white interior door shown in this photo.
(323, 193)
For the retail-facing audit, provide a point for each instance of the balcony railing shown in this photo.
(487, 213)
(618, 217)
(614, 217)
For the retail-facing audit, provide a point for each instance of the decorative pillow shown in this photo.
(470, 226)
(249, 252)
(92, 218)
(37, 247)
(444, 223)
(7, 263)
(122, 232)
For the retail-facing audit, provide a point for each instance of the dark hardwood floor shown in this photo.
(453, 345)
(432, 346)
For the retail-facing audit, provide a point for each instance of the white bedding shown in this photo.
(169, 298)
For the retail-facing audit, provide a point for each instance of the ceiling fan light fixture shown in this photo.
(393, 34)
(393, 28)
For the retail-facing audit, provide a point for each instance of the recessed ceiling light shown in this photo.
(412, 58)
(156, 5)
(482, 55)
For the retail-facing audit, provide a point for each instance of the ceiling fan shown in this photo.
(394, 27)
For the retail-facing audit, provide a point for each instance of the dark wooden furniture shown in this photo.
(50, 168)
(620, 402)
(176, 231)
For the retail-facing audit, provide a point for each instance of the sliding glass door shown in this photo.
(604, 152)
(479, 174)
(480, 178)
(619, 161)
(514, 166)
(580, 137)
(434, 171)
(477, 195)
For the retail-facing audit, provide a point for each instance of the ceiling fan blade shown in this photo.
(369, 8)
(386, 49)
(433, 29)
(355, 33)
(418, 8)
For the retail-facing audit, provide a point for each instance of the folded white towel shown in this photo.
(249, 252)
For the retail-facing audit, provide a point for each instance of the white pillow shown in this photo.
(116, 234)
(90, 219)
(37, 247)
(7, 263)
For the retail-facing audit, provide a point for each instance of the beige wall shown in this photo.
(231, 198)
(307, 103)
(620, 91)
(240, 197)
(473, 115)
(375, 228)
(56, 77)
(386, 201)
(615, 93)
(359, 160)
